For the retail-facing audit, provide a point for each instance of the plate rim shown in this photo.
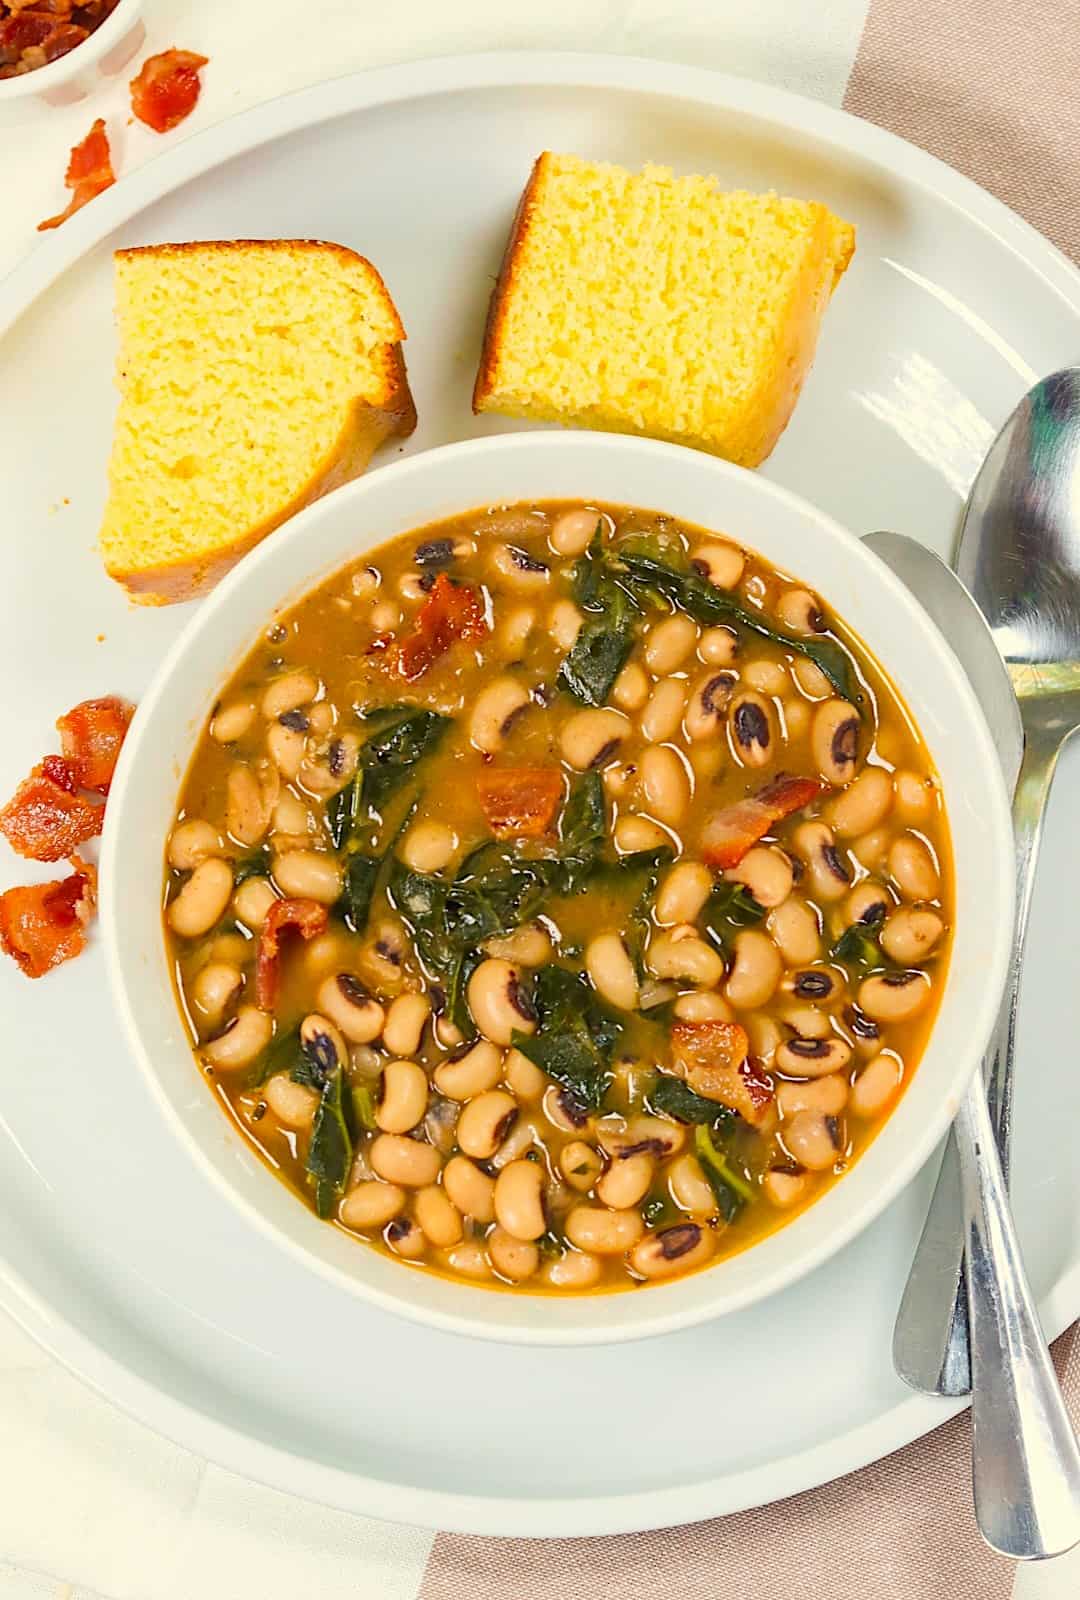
(309, 107)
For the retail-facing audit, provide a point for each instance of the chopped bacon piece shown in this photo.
(308, 918)
(452, 611)
(165, 91)
(45, 821)
(89, 171)
(730, 833)
(91, 734)
(520, 802)
(60, 771)
(712, 1058)
(43, 924)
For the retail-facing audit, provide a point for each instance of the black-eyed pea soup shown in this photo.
(559, 897)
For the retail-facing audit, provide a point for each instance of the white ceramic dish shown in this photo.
(532, 466)
(100, 57)
(114, 1251)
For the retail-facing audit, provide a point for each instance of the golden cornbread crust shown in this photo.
(386, 410)
(650, 304)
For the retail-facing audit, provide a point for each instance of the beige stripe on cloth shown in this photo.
(901, 1529)
(990, 86)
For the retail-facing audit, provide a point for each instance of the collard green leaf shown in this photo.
(582, 831)
(280, 1055)
(673, 1098)
(606, 637)
(401, 736)
(729, 907)
(859, 945)
(256, 865)
(361, 872)
(730, 1187)
(575, 1037)
(329, 1155)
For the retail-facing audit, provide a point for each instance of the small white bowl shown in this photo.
(408, 495)
(102, 56)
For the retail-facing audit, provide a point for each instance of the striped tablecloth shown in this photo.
(92, 1504)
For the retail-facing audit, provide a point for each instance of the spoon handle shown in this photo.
(931, 1340)
(1026, 1462)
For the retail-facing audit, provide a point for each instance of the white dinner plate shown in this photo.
(116, 1251)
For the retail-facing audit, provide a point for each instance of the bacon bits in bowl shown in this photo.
(584, 881)
(59, 52)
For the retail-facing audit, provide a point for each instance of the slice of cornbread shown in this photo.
(254, 376)
(647, 303)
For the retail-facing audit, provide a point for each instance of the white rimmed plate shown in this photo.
(116, 1253)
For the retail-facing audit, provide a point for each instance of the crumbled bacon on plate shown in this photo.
(44, 820)
(91, 734)
(307, 918)
(43, 924)
(89, 171)
(729, 834)
(167, 88)
(712, 1058)
(519, 802)
(452, 611)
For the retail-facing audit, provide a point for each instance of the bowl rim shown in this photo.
(66, 67)
(995, 814)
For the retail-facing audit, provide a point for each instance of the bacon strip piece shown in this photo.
(729, 834)
(91, 734)
(44, 820)
(712, 1058)
(520, 802)
(165, 91)
(452, 611)
(308, 918)
(89, 171)
(43, 924)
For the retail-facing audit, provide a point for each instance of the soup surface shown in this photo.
(559, 897)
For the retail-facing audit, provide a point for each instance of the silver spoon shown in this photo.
(1025, 1462)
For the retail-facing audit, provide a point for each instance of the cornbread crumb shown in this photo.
(254, 376)
(647, 303)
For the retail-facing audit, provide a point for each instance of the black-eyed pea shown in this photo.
(810, 678)
(404, 1161)
(704, 1006)
(495, 711)
(561, 1110)
(592, 738)
(630, 690)
(784, 1187)
(864, 804)
(894, 996)
(332, 765)
(765, 1035)
(619, 777)
(806, 1021)
(519, 1140)
(289, 692)
(308, 875)
(602, 1232)
(815, 1140)
(529, 945)
(689, 1187)
(819, 985)
(572, 532)
(813, 1058)
(328, 952)
(665, 784)
(870, 849)
(722, 564)
(829, 872)
(519, 1202)
(350, 1007)
(321, 718)
(469, 1259)
(915, 798)
(231, 722)
(519, 568)
(446, 1033)
(202, 899)
(193, 841)
(438, 1216)
(574, 1271)
(627, 1180)
(512, 1258)
(214, 990)
(909, 935)
(611, 971)
(755, 971)
(371, 1204)
(768, 677)
(428, 846)
(868, 902)
(241, 1041)
(472, 1191)
(767, 873)
(404, 1097)
(633, 833)
(707, 761)
(526, 1082)
(794, 929)
(877, 1085)
(828, 1095)
(290, 815)
(498, 1003)
(385, 616)
(913, 869)
(677, 1248)
(682, 893)
(405, 1238)
(485, 1123)
(834, 741)
(252, 901)
(718, 647)
(293, 1104)
(799, 612)
(406, 1019)
(516, 629)
(797, 719)
(679, 952)
(668, 643)
(465, 1076)
(751, 724)
(661, 717)
(580, 1165)
(564, 623)
(286, 747)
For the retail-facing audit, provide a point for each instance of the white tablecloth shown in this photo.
(93, 1504)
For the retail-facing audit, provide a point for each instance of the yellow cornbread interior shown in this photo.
(240, 368)
(661, 305)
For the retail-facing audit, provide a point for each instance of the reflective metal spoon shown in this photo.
(1025, 1459)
